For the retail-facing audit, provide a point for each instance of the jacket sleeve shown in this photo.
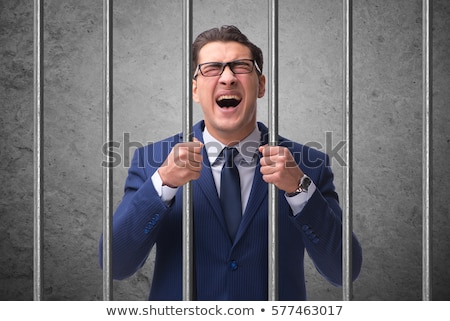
(320, 223)
(136, 219)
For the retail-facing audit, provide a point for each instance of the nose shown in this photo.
(227, 77)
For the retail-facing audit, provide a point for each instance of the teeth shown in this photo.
(228, 97)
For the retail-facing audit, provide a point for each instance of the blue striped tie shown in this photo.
(230, 192)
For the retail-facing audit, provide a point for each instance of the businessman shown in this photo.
(229, 163)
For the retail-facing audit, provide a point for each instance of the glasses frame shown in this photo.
(229, 64)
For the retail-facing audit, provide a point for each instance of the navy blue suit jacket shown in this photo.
(226, 270)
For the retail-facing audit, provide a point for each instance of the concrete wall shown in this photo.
(147, 95)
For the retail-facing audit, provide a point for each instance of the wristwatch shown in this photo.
(303, 186)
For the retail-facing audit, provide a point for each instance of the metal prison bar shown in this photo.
(427, 236)
(272, 237)
(107, 137)
(187, 125)
(188, 222)
(38, 148)
(347, 204)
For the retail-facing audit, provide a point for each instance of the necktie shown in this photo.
(230, 192)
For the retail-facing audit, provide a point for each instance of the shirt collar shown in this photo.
(247, 147)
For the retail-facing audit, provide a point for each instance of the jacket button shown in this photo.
(233, 265)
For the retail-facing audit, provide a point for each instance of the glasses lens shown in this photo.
(242, 66)
(212, 69)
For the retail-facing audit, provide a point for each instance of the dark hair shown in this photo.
(225, 34)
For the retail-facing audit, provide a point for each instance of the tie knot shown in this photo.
(229, 153)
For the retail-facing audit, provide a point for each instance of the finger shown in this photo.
(262, 148)
(269, 159)
(266, 161)
(189, 147)
(195, 157)
(198, 145)
(195, 161)
(267, 150)
(267, 170)
(271, 178)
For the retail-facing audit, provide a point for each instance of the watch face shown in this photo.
(306, 181)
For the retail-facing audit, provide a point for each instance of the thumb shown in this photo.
(261, 148)
(195, 140)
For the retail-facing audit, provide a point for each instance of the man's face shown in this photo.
(232, 123)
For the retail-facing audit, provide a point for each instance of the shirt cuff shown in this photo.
(165, 192)
(299, 201)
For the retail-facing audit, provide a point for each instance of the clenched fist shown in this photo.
(278, 167)
(183, 164)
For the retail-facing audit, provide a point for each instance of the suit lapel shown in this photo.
(258, 192)
(257, 195)
(208, 187)
(206, 182)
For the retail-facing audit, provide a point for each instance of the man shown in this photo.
(230, 256)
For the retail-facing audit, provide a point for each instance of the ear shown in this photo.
(194, 91)
(262, 86)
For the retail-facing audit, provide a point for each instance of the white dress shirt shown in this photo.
(246, 161)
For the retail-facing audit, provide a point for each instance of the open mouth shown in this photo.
(227, 101)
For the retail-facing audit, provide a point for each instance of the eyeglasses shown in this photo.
(214, 69)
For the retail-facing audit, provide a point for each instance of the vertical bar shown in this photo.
(347, 213)
(273, 139)
(188, 224)
(426, 154)
(107, 137)
(38, 149)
